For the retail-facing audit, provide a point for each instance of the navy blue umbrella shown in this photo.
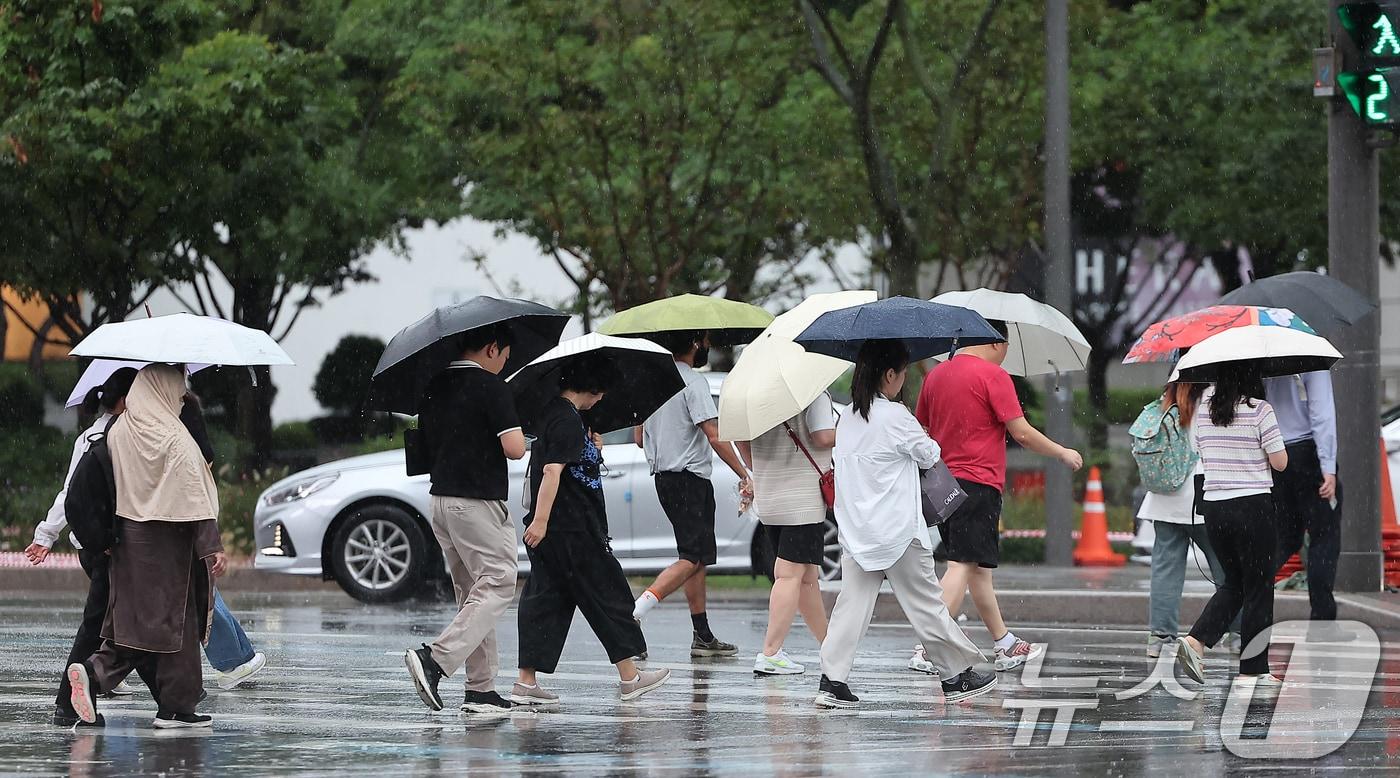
(926, 328)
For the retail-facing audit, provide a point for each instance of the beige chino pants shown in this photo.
(478, 546)
(916, 588)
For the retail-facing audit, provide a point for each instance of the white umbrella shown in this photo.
(99, 370)
(775, 378)
(1275, 351)
(182, 338)
(1041, 340)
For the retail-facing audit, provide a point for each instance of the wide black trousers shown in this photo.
(1242, 533)
(575, 571)
(1300, 509)
(89, 636)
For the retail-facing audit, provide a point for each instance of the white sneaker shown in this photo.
(120, 690)
(919, 661)
(779, 664)
(1019, 653)
(241, 673)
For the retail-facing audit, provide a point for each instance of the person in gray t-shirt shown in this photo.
(678, 440)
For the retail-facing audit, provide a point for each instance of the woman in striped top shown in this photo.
(1239, 443)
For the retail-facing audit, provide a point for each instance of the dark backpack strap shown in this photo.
(798, 442)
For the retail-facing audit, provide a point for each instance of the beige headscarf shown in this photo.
(161, 474)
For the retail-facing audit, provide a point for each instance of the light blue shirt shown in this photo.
(1305, 410)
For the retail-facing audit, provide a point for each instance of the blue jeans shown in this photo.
(228, 645)
(1169, 552)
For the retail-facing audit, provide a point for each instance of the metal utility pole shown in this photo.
(1059, 497)
(1353, 256)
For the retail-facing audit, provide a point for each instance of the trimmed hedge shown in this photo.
(21, 398)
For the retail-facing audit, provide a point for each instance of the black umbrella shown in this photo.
(1325, 303)
(424, 348)
(927, 328)
(644, 377)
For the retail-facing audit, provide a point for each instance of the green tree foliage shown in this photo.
(342, 383)
(650, 148)
(84, 199)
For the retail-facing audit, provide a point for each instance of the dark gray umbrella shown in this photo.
(645, 377)
(424, 348)
(1325, 303)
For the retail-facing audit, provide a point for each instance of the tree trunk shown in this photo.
(1099, 360)
(255, 418)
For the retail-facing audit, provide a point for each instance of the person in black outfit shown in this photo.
(566, 537)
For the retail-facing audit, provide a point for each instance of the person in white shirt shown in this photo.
(788, 462)
(880, 449)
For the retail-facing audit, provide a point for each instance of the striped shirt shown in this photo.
(1236, 458)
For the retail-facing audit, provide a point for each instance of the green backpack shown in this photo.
(1161, 448)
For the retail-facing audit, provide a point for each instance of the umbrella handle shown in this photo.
(1058, 374)
(253, 374)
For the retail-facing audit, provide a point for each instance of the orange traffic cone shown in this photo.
(1390, 528)
(1093, 549)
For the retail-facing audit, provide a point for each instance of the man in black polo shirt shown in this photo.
(469, 429)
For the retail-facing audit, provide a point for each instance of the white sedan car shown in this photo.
(364, 523)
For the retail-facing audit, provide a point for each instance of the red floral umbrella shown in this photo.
(1163, 340)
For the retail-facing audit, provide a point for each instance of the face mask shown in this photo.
(702, 356)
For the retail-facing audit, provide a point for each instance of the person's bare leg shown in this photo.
(782, 604)
(984, 596)
(810, 603)
(695, 590)
(954, 585)
(674, 577)
(626, 670)
(527, 676)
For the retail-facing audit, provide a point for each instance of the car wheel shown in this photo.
(378, 554)
(831, 551)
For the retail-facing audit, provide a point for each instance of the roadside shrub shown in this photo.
(294, 436)
(33, 462)
(21, 398)
(342, 383)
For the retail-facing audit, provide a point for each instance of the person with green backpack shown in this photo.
(1166, 461)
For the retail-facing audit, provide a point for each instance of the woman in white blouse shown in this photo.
(880, 449)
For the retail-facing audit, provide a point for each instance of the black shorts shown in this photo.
(689, 503)
(971, 534)
(803, 544)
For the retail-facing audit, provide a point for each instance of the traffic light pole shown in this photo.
(1059, 497)
(1353, 249)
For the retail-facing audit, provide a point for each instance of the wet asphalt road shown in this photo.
(335, 700)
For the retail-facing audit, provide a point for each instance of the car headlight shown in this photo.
(299, 490)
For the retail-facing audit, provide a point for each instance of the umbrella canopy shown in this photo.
(775, 379)
(730, 321)
(1325, 303)
(1275, 350)
(424, 348)
(927, 328)
(1163, 341)
(1040, 339)
(182, 338)
(645, 376)
(99, 370)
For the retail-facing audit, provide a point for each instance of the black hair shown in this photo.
(1237, 382)
(875, 357)
(479, 338)
(109, 392)
(1000, 327)
(590, 375)
(679, 342)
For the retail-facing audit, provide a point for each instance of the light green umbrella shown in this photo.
(733, 321)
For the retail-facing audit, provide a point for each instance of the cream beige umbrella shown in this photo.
(775, 379)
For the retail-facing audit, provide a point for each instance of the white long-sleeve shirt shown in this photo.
(879, 506)
(46, 534)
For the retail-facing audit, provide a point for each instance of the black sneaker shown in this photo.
(166, 720)
(484, 702)
(426, 675)
(835, 694)
(968, 684)
(67, 718)
(701, 647)
(82, 693)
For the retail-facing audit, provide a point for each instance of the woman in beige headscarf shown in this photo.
(166, 557)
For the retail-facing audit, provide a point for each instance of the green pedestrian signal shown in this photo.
(1371, 78)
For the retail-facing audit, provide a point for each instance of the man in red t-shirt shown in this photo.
(968, 405)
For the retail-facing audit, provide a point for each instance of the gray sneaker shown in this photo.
(645, 681)
(701, 647)
(520, 694)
